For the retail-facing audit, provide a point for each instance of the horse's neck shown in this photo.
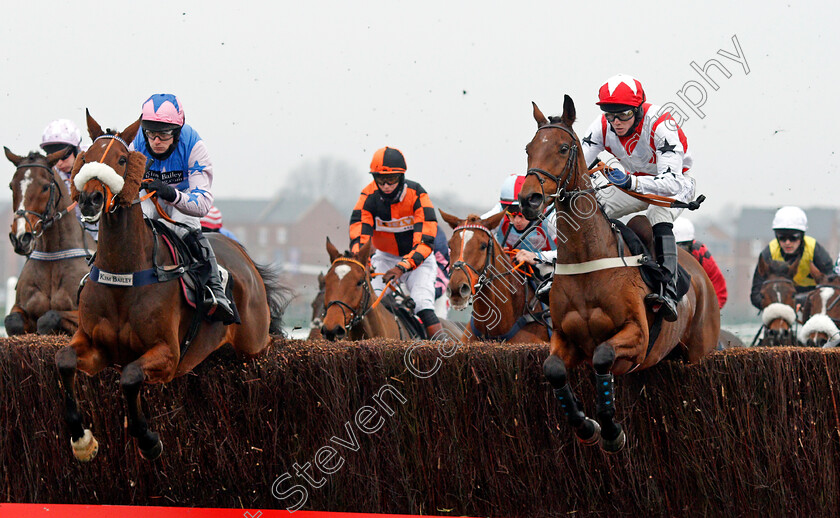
(500, 302)
(125, 241)
(379, 322)
(583, 232)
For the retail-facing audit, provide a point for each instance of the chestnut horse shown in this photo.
(821, 311)
(504, 307)
(56, 247)
(597, 306)
(137, 326)
(778, 292)
(352, 308)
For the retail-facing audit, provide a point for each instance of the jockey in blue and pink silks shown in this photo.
(182, 174)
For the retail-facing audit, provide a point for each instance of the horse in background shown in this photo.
(318, 310)
(134, 314)
(822, 311)
(45, 230)
(505, 307)
(778, 303)
(352, 309)
(596, 298)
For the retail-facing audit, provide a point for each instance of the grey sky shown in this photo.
(270, 85)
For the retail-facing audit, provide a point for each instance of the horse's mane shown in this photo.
(555, 119)
(33, 155)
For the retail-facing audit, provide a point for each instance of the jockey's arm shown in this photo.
(361, 224)
(758, 280)
(593, 141)
(822, 260)
(194, 197)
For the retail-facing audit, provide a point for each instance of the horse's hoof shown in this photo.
(589, 432)
(14, 324)
(153, 452)
(86, 448)
(49, 323)
(614, 445)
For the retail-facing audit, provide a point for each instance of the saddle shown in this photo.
(192, 272)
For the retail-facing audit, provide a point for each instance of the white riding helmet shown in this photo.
(683, 230)
(61, 132)
(792, 218)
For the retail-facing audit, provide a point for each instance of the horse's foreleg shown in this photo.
(17, 322)
(58, 322)
(554, 368)
(156, 360)
(85, 445)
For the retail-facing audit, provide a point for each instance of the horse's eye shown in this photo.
(45, 188)
(360, 282)
(10, 186)
(564, 149)
(123, 160)
(484, 246)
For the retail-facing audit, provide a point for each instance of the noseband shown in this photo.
(111, 204)
(364, 307)
(568, 171)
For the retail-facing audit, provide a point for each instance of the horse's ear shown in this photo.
(80, 161)
(364, 252)
(538, 116)
(130, 132)
(762, 266)
(792, 269)
(452, 221)
(94, 129)
(817, 274)
(13, 158)
(569, 114)
(53, 158)
(332, 251)
(493, 221)
(322, 281)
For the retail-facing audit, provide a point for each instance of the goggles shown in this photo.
(163, 136)
(622, 116)
(386, 179)
(513, 211)
(789, 236)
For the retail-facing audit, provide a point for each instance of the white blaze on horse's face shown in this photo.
(825, 296)
(24, 186)
(465, 238)
(341, 270)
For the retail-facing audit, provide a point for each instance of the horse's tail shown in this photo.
(277, 295)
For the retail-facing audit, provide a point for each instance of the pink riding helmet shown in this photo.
(165, 108)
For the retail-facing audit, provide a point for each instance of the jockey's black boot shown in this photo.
(221, 309)
(666, 256)
(431, 323)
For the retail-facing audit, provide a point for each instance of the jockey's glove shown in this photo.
(394, 274)
(619, 178)
(164, 191)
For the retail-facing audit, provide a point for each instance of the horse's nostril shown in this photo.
(449, 292)
(464, 291)
(26, 238)
(534, 201)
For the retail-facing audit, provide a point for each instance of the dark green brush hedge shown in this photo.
(748, 432)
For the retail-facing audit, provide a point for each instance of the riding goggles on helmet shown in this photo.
(788, 236)
(622, 116)
(387, 179)
(163, 136)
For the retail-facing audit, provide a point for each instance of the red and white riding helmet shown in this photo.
(160, 110)
(621, 89)
(510, 190)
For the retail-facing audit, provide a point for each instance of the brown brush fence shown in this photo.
(747, 433)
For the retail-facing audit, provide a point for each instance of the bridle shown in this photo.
(111, 204)
(569, 170)
(478, 279)
(773, 282)
(50, 214)
(364, 308)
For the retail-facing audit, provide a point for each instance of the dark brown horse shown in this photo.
(352, 311)
(45, 229)
(504, 305)
(597, 308)
(778, 292)
(136, 326)
(821, 311)
(318, 310)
